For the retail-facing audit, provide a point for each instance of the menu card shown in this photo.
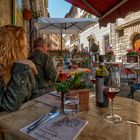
(56, 129)
(50, 99)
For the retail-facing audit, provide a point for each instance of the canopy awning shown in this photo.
(107, 10)
(63, 25)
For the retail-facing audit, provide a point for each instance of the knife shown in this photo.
(52, 114)
(133, 122)
(55, 94)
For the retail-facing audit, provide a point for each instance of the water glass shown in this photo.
(71, 107)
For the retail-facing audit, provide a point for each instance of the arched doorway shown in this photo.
(136, 42)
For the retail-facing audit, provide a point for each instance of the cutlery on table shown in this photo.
(52, 114)
(133, 122)
(54, 93)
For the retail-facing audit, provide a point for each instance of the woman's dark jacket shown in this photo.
(21, 87)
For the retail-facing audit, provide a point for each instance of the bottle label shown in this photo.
(99, 90)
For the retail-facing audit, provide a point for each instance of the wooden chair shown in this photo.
(130, 75)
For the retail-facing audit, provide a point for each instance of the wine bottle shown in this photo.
(101, 76)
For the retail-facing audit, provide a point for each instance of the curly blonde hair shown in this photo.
(13, 47)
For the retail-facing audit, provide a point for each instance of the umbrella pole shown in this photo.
(61, 43)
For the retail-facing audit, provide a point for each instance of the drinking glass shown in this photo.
(71, 107)
(111, 117)
(93, 80)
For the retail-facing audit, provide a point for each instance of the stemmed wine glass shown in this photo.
(71, 107)
(111, 117)
(93, 80)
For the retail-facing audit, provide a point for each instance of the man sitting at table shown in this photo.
(44, 64)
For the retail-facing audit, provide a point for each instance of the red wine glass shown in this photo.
(111, 117)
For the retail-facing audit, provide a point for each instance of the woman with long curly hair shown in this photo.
(17, 83)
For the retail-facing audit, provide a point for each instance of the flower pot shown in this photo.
(132, 58)
(83, 99)
(27, 14)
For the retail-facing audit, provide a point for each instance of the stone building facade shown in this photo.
(72, 40)
(126, 34)
(5, 12)
(101, 35)
(120, 36)
(55, 41)
(40, 6)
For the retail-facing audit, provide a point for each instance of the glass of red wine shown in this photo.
(93, 80)
(111, 117)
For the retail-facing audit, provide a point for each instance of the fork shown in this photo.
(41, 120)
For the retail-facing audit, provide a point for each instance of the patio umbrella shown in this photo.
(63, 25)
(107, 10)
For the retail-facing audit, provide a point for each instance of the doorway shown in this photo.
(136, 42)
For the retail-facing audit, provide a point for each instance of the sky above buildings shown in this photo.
(58, 8)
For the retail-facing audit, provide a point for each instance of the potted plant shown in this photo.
(131, 52)
(78, 85)
(132, 56)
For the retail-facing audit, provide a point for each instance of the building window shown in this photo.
(120, 33)
(106, 42)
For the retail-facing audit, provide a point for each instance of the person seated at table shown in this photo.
(17, 82)
(44, 64)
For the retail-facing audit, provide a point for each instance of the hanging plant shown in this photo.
(27, 14)
(36, 14)
(132, 52)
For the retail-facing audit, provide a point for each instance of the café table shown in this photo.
(96, 129)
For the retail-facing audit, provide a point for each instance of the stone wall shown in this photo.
(5, 12)
(130, 27)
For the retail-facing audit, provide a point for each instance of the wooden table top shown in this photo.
(96, 129)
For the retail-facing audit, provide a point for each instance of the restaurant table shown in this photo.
(96, 129)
